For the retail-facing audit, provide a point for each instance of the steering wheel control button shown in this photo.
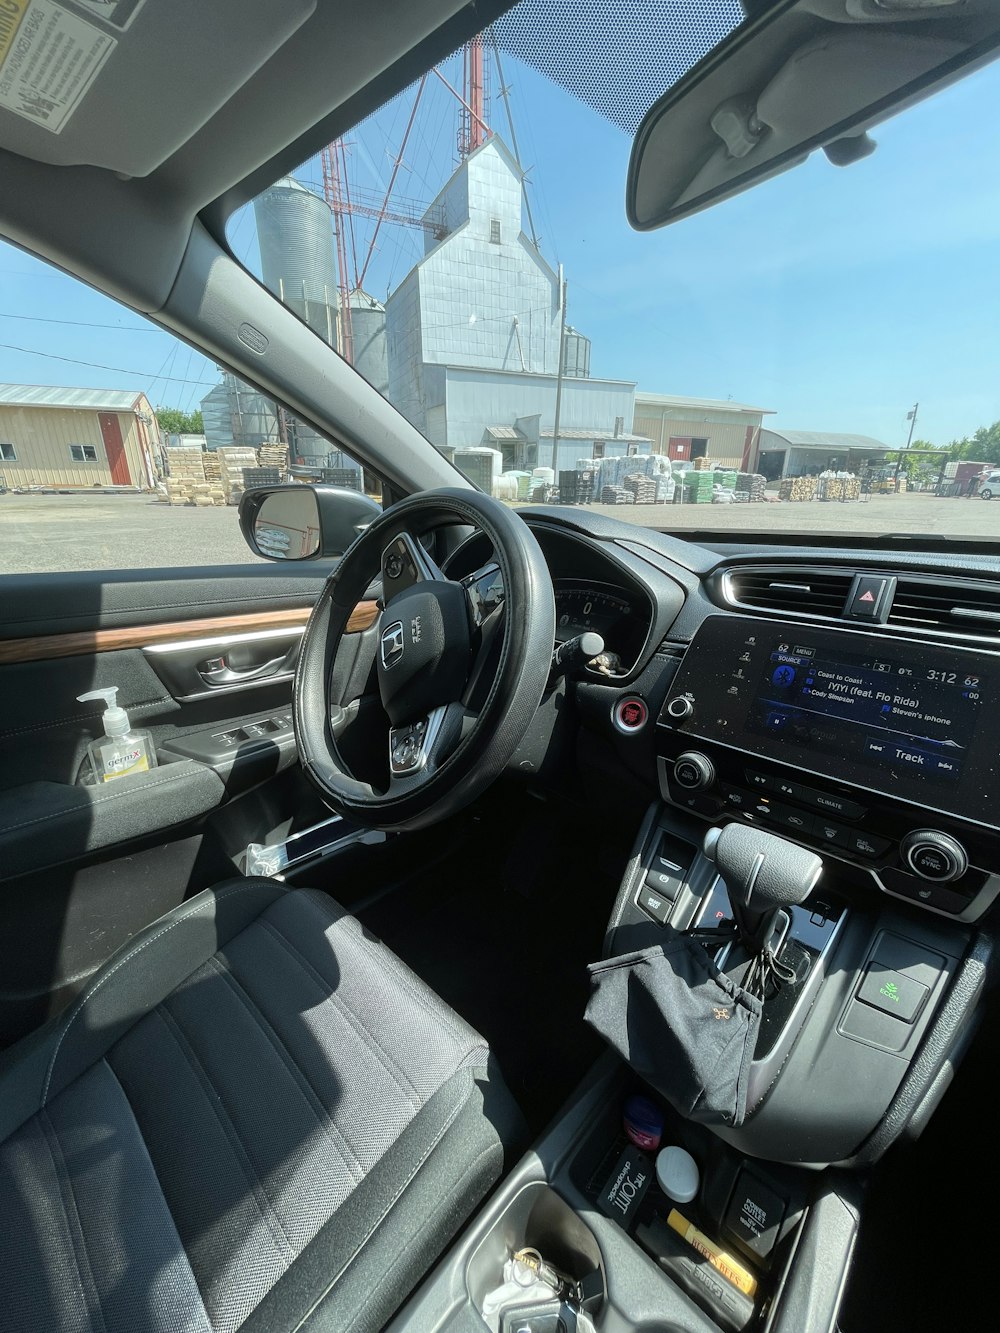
(630, 714)
(893, 992)
(870, 598)
(934, 856)
(407, 746)
(755, 1214)
(655, 903)
(680, 708)
(694, 771)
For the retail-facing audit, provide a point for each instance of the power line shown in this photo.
(96, 365)
(82, 324)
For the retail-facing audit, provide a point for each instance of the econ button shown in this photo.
(630, 714)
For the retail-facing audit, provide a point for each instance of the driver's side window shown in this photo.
(122, 447)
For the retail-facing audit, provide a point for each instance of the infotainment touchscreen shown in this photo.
(868, 707)
(908, 718)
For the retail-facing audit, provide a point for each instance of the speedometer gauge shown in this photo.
(588, 607)
(618, 615)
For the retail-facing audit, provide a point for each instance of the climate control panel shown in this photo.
(946, 869)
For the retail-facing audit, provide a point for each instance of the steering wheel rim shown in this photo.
(466, 753)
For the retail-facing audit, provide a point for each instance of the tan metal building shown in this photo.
(689, 428)
(76, 437)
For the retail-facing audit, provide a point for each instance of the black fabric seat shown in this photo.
(255, 1117)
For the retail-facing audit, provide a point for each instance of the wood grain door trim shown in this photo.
(45, 647)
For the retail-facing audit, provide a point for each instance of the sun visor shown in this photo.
(123, 84)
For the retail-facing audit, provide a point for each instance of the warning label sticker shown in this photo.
(118, 12)
(48, 59)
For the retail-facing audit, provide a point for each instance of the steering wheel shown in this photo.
(459, 675)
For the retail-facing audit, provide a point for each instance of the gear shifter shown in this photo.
(763, 874)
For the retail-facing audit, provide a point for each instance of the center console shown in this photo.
(875, 761)
(880, 754)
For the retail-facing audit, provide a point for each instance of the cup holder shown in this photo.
(537, 1218)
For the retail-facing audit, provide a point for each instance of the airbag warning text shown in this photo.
(48, 59)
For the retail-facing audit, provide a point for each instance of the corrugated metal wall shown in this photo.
(42, 437)
(726, 433)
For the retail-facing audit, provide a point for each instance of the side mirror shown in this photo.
(303, 522)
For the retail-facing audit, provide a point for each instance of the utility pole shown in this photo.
(911, 416)
(559, 377)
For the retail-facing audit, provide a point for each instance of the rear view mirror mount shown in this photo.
(303, 522)
(805, 74)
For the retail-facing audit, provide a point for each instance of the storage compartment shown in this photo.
(536, 1218)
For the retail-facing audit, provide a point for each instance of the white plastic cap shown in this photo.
(677, 1173)
(115, 719)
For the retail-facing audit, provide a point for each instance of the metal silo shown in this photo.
(371, 356)
(295, 235)
(253, 416)
(576, 355)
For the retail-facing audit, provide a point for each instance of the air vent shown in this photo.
(789, 590)
(966, 608)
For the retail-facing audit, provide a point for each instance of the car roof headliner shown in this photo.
(303, 74)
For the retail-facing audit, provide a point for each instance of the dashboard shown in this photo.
(848, 704)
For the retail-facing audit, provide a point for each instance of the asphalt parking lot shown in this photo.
(46, 533)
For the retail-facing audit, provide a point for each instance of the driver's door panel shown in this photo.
(84, 867)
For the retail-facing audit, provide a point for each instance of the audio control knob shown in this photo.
(933, 855)
(694, 771)
(680, 708)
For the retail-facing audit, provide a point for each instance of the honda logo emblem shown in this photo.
(392, 644)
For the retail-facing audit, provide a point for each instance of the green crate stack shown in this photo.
(699, 487)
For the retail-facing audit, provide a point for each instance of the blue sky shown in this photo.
(837, 297)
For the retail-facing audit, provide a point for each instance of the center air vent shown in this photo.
(964, 608)
(789, 590)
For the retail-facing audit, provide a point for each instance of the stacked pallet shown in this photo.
(698, 487)
(213, 469)
(702, 464)
(186, 470)
(614, 495)
(232, 461)
(273, 455)
(842, 487)
(577, 487)
(643, 489)
(750, 487)
(797, 488)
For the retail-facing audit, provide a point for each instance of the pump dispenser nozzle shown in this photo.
(115, 719)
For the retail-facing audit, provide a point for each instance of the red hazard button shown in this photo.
(630, 714)
(870, 598)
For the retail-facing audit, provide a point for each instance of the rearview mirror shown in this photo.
(303, 522)
(806, 74)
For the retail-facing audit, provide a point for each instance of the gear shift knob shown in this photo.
(762, 873)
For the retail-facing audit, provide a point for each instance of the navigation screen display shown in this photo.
(909, 718)
(903, 717)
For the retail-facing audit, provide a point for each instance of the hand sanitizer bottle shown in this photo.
(122, 750)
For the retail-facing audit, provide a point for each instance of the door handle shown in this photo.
(217, 671)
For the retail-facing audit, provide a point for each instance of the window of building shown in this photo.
(495, 231)
(8, 454)
(83, 453)
(598, 449)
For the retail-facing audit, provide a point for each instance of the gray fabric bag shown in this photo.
(681, 1024)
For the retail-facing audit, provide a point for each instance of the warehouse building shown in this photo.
(684, 429)
(76, 438)
(807, 453)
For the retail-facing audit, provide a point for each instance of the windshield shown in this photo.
(816, 356)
